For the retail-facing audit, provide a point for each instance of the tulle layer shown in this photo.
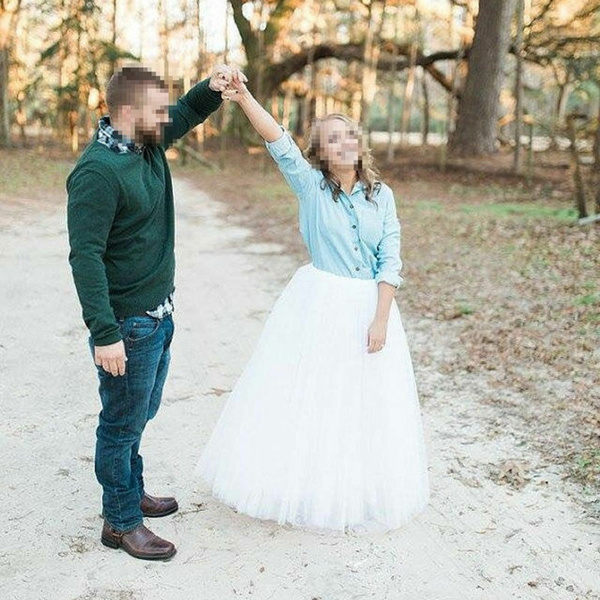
(317, 432)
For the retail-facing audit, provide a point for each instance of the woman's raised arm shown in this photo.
(265, 125)
(298, 172)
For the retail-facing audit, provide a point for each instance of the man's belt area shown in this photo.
(165, 308)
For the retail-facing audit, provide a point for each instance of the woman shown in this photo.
(323, 428)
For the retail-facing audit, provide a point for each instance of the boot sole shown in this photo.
(115, 546)
(162, 514)
(109, 543)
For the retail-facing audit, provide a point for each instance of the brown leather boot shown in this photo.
(158, 507)
(139, 542)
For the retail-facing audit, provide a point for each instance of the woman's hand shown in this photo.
(222, 77)
(377, 335)
(236, 89)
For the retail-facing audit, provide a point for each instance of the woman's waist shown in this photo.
(358, 276)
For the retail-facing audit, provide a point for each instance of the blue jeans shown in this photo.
(128, 403)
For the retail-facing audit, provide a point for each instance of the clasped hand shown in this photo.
(230, 81)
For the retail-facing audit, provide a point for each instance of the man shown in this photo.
(121, 233)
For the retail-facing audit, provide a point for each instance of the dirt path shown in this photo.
(477, 540)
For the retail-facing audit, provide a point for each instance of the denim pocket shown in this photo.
(137, 329)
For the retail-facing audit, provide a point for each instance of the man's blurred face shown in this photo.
(151, 115)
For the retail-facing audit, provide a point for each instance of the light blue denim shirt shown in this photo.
(352, 237)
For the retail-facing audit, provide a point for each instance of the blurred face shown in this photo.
(340, 144)
(150, 115)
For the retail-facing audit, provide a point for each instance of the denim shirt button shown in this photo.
(358, 268)
(353, 226)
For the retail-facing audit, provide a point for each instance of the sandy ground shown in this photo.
(478, 539)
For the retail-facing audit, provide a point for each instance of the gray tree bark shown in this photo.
(476, 127)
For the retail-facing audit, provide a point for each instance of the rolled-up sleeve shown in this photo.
(388, 250)
(298, 172)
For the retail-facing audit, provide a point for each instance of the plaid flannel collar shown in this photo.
(111, 138)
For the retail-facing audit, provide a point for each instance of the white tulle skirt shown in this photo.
(317, 432)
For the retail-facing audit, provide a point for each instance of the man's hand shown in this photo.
(222, 76)
(111, 358)
(377, 335)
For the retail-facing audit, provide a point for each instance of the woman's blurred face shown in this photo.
(340, 145)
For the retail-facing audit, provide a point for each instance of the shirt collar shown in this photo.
(114, 140)
(358, 186)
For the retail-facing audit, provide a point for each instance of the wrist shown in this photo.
(244, 98)
(381, 319)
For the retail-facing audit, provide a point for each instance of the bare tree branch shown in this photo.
(277, 73)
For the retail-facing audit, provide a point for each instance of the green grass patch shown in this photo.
(520, 210)
(275, 191)
(588, 300)
(586, 466)
(428, 205)
(464, 308)
(274, 198)
(464, 191)
(500, 193)
(27, 174)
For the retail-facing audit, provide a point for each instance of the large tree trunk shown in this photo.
(258, 42)
(476, 127)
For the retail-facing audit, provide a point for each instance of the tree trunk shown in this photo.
(287, 108)
(476, 127)
(308, 110)
(408, 99)
(113, 62)
(371, 58)
(392, 92)
(580, 195)
(4, 117)
(201, 70)
(74, 112)
(517, 158)
(426, 108)
(449, 122)
(9, 13)
(597, 161)
(563, 85)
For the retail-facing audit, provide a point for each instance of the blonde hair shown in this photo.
(366, 172)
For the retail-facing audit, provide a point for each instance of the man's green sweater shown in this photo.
(121, 223)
